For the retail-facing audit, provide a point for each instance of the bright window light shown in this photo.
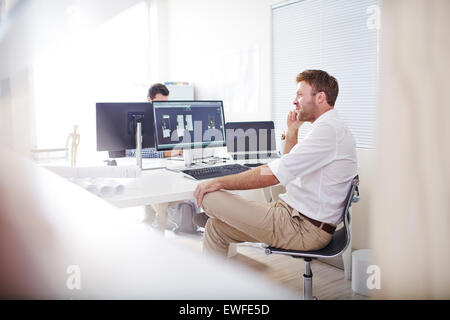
(107, 64)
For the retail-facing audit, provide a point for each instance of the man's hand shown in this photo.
(173, 153)
(292, 130)
(292, 120)
(204, 188)
(260, 177)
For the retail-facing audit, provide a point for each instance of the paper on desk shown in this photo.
(97, 172)
(101, 187)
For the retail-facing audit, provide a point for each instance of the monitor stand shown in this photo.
(139, 149)
(190, 161)
(188, 157)
(116, 154)
(139, 145)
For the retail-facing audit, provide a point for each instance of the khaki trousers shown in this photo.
(235, 219)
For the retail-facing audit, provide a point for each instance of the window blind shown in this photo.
(340, 37)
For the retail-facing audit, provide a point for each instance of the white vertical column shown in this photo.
(158, 40)
(410, 216)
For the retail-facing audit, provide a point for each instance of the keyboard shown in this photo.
(216, 171)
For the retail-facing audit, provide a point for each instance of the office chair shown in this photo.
(339, 242)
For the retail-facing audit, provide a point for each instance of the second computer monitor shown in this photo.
(117, 122)
(189, 124)
(250, 138)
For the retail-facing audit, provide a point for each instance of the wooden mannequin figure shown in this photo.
(75, 137)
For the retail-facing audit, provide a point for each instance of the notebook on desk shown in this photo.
(252, 142)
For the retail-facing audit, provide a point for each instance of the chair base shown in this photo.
(307, 281)
(307, 288)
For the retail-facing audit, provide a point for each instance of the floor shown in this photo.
(329, 282)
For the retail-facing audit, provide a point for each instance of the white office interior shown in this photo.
(59, 58)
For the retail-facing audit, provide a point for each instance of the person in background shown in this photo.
(157, 214)
(157, 92)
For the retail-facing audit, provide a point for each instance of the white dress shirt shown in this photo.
(319, 169)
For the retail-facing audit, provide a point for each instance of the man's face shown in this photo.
(304, 102)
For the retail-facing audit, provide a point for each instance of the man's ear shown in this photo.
(321, 97)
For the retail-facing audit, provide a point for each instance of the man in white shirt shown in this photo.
(316, 171)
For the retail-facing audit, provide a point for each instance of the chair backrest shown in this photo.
(341, 238)
(352, 196)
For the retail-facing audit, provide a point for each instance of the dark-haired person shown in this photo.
(316, 171)
(157, 92)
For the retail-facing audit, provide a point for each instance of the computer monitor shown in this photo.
(245, 139)
(116, 126)
(188, 124)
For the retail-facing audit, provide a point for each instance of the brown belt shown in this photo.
(324, 226)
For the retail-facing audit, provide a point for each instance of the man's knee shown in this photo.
(213, 240)
(214, 229)
(212, 200)
(209, 226)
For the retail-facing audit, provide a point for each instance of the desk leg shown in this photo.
(161, 215)
(150, 214)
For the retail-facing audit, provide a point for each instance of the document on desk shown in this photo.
(100, 186)
(96, 172)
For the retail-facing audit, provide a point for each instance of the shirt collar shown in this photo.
(326, 115)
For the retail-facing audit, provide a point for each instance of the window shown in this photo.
(107, 64)
(340, 37)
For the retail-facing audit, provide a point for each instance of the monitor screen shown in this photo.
(189, 124)
(116, 125)
(250, 137)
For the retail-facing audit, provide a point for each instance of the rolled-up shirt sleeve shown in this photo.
(314, 152)
(282, 174)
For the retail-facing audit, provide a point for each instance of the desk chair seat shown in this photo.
(339, 242)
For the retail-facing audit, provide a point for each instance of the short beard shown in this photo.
(301, 116)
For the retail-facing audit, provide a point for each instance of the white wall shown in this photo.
(224, 48)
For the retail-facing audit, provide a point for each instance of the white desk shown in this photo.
(154, 186)
(161, 185)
